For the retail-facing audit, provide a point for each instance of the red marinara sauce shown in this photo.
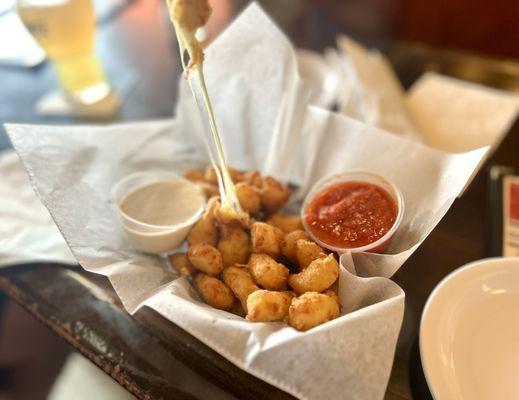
(351, 214)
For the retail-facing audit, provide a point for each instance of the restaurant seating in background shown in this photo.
(481, 26)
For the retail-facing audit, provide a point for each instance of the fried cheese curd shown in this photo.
(187, 17)
(266, 268)
(312, 309)
(267, 305)
(214, 291)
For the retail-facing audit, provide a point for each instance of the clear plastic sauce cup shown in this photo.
(380, 245)
(158, 237)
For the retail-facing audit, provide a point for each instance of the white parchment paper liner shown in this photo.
(476, 115)
(27, 232)
(261, 107)
(374, 94)
(93, 158)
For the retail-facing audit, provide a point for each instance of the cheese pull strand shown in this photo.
(229, 199)
(187, 16)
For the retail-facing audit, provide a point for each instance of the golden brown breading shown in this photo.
(307, 251)
(209, 189)
(230, 216)
(274, 195)
(240, 281)
(235, 174)
(234, 245)
(248, 197)
(287, 223)
(317, 277)
(213, 291)
(311, 309)
(181, 263)
(237, 309)
(288, 244)
(213, 204)
(333, 295)
(266, 305)
(204, 230)
(195, 175)
(266, 239)
(335, 287)
(220, 242)
(253, 178)
(206, 258)
(210, 175)
(268, 273)
(190, 14)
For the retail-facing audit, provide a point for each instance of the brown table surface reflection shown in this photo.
(150, 356)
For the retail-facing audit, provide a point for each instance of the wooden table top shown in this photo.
(150, 356)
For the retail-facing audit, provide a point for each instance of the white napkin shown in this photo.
(373, 93)
(455, 116)
(27, 232)
(446, 113)
(262, 111)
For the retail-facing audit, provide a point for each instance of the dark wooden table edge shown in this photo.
(185, 348)
(23, 300)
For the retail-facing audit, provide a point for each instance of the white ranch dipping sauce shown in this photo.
(157, 216)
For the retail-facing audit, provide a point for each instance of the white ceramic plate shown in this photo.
(322, 80)
(469, 334)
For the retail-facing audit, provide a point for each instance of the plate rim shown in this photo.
(432, 296)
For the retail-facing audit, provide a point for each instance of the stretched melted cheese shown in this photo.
(187, 16)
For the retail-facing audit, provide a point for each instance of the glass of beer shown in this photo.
(66, 31)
